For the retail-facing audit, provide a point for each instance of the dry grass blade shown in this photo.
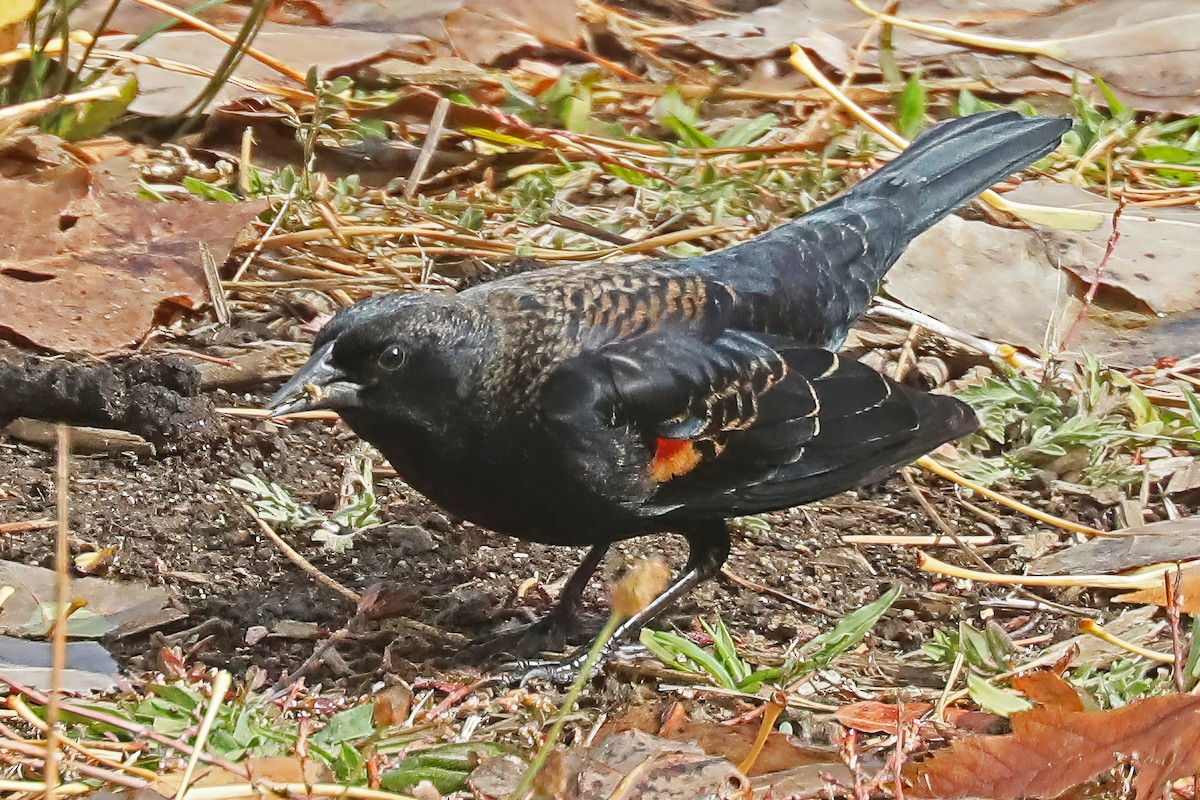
(1093, 628)
(928, 463)
(220, 686)
(1142, 580)
(24, 111)
(62, 594)
(217, 33)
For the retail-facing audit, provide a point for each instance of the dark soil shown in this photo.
(174, 520)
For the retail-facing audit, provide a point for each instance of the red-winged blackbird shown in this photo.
(588, 404)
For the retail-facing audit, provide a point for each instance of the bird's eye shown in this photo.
(392, 358)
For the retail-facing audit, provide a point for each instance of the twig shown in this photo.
(262, 413)
(240, 790)
(1006, 352)
(949, 530)
(36, 749)
(27, 525)
(281, 688)
(33, 787)
(936, 540)
(262, 240)
(1113, 237)
(432, 136)
(216, 293)
(907, 354)
(299, 560)
(1173, 588)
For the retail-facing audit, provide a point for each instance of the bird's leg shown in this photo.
(565, 613)
(557, 623)
(708, 549)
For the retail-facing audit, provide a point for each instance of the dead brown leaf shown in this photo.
(1146, 50)
(781, 752)
(165, 93)
(483, 30)
(110, 605)
(277, 769)
(1189, 589)
(1045, 688)
(1052, 749)
(872, 716)
(1156, 542)
(636, 764)
(90, 268)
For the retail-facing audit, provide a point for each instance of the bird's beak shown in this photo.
(318, 384)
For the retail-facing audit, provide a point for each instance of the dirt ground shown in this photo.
(174, 520)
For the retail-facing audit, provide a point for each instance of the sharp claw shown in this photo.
(521, 673)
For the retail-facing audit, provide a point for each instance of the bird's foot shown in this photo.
(558, 673)
(526, 671)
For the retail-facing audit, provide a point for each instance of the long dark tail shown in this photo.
(949, 163)
(813, 277)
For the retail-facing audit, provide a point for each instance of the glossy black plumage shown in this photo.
(583, 405)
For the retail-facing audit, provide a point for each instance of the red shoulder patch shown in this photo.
(672, 458)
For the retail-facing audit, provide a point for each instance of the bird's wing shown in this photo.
(747, 423)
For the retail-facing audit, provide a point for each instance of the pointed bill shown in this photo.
(318, 384)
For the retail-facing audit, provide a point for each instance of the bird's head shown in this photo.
(387, 354)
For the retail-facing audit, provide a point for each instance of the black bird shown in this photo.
(588, 404)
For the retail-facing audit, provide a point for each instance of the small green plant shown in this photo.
(1026, 424)
(358, 511)
(275, 505)
(1125, 680)
(989, 652)
(726, 668)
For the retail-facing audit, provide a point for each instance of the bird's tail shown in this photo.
(950, 163)
(812, 278)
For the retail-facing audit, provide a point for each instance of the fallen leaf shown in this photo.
(1052, 749)
(1145, 50)
(90, 268)
(114, 604)
(483, 30)
(1154, 260)
(781, 751)
(958, 270)
(1156, 542)
(651, 768)
(1189, 589)
(163, 93)
(872, 716)
(1047, 689)
(280, 769)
